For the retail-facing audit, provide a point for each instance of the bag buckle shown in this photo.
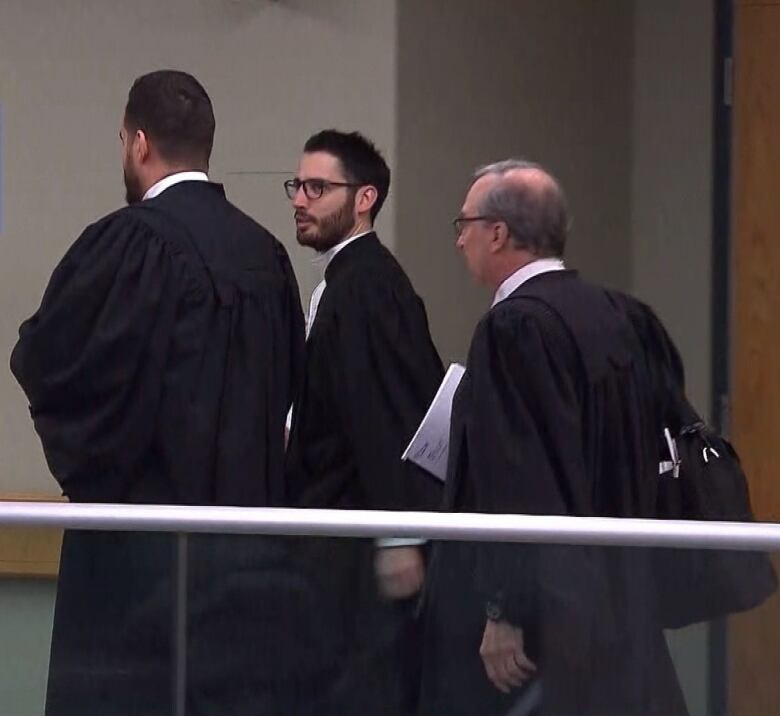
(672, 465)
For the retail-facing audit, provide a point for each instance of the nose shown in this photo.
(300, 200)
(459, 242)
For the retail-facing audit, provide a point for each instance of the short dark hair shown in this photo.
(175, 112)
(536, 216)
(361, 160)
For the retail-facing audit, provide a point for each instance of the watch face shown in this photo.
(493, 611)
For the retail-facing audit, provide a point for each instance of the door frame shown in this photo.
(721, 308)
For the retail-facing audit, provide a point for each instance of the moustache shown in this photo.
(301, 216)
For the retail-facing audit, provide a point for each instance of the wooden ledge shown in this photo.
(30, 552)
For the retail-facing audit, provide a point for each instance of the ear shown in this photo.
(141, 146)
(366, 198)
(500, 237)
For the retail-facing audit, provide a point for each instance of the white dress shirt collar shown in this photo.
(523, 274)
(170, 180)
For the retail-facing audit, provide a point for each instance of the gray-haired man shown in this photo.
(555, 415)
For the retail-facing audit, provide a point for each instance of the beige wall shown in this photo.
(481, 81)
(276, 73)
(671, 198)
(671, 207)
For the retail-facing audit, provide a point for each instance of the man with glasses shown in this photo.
(371, 371)
(556, 414)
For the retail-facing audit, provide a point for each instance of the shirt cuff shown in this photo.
(384, 542)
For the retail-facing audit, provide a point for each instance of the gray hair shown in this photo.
(536, 216)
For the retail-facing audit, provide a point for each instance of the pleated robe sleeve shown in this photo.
(91, 359)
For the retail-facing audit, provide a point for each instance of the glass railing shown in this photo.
(187, 610)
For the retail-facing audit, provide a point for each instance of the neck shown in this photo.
(361, 226)
(357, 229)
(510, 266)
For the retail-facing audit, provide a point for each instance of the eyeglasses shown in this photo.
(459, 221)
(312, 188)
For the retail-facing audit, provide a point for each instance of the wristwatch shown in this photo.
(494, 608)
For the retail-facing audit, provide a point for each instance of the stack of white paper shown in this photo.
(430, 445)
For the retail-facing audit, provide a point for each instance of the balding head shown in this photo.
(529, 201)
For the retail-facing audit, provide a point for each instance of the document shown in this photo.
(430, 445)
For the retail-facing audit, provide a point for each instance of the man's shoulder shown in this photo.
(123, 220)
(142, 219)
(369, 268)
(510, 315)
(539, 295)
(203, 200)
(240, 217)
(547, 285)
(221, 231)
(372, 289)
(117, 238)
(371, 286)
(123, 215)
(547, 303)
(567, 294)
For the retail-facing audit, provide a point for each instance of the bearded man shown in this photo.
(159, 369)
(371, 370)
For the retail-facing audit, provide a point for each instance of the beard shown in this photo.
(324, 233)
(133, 191)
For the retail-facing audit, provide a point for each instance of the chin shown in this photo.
(307, 239)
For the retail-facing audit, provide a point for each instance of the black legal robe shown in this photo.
(159, 369)
(556, 415)
(371, 372)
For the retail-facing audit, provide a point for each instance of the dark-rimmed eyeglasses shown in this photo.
(459, 222)
(312, 188)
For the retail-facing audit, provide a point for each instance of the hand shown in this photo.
(503, 655)
(400, 571)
